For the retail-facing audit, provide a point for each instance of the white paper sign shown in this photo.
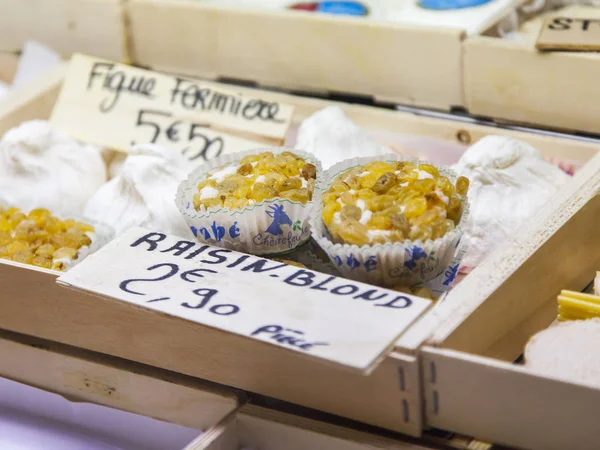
(197, 143)
(318, 315)
(111, 105)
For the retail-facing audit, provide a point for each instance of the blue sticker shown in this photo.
(451, 4)
(343, 8)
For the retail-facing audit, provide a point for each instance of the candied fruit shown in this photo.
(5, 224)
(16, 218)
(351, 212)
(380, 221)
(45, 250)
(243, 170)
(329, 210)
(415, 207)
(309, 171)
(462, 185)
(291, 183)
(257, 178)
(261, 191)
(297, 195)
(65, 252)
(432, 170)
(339, 186)
(5, 238)
(384, 183)
(39, 216)
(33, 238)
(369, 180)
(23, 256)
(384, 202)
(354, 232)
(26, 230)
(42, 261)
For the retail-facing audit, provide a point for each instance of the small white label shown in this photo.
(318, 315)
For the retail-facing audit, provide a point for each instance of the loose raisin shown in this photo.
(385, 182)
(309, 171)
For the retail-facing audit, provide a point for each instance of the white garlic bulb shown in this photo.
(332, 137)
(143, 192)
(509, 183)
(42, 168)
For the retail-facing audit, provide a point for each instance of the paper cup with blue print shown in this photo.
(272, 226)
(433, 263)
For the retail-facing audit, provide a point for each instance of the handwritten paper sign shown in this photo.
(114, 105)
(196, 142)
(317, 315)
(569, 34)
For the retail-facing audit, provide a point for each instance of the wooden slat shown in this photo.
(556, 250)
(508, 80)
(273, 430)
(8, 66)
(85, 376)
(33, 100)
(223, 436)
(150, 337)
(507, 404)
(96, 27)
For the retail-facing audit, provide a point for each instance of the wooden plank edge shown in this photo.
(333, 434)
(469, 301)
(32, 100)
(85, 376)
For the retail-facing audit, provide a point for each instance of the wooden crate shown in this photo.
(96, 27)
(391, 397)
(469, 381)
(296, 50)
(512, 81)
(83, 376)
(223, 420)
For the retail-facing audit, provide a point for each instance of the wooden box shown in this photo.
(512, 81)
(390, 397)
(96, 27)
(468, 379)
(219, 414)
(297, 50)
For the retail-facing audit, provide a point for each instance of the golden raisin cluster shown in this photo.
(40, 239)
(256, 178)
(392, 201)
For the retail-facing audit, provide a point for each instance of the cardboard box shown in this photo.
(391, 397)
